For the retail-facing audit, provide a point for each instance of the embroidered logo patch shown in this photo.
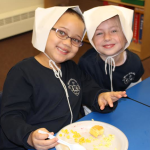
(128, 78)
(74, 86)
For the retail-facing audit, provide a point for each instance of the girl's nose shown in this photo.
(67, 42)
(107, 36)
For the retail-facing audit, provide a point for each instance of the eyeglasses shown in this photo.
(62, 35)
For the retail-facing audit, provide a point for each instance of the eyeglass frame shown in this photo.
(66, 37)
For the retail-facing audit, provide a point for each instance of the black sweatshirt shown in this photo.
(34, 98)
(129, 72)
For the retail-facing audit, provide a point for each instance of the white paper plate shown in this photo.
(119, 142)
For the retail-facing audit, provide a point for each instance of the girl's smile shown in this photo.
(108, 46)
(62, 51)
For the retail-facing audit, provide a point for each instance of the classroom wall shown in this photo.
(86, 4)
(7, 6)
(12, 49)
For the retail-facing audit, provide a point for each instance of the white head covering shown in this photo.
(45, 19)
(95, 16)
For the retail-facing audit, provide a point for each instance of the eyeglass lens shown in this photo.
(62, 35)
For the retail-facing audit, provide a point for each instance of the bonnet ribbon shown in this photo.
(58, 74)
(111, 64)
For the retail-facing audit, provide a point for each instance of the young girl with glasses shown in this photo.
(46, 92)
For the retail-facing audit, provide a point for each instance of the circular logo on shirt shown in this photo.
(74, 86)
(128, 78)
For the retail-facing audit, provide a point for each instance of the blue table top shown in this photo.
(141, 91)
(132, 118)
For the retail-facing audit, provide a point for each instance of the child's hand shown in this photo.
(108, 98)
(37, 140)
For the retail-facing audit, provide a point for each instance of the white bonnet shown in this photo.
(97, 15)
(45, 18)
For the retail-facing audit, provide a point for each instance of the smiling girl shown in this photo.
(109, 62)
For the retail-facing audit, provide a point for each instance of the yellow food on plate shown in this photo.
(96, 130)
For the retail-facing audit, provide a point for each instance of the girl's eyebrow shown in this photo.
(110, 27)
(98, 29)
(64, 28)
(78, 36)
(69, 30)
(116, 26)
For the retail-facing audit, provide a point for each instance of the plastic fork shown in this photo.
(71, 146)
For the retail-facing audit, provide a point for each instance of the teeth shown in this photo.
(108, 46)
(62, 50)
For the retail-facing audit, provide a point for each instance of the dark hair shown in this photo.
(71, 11)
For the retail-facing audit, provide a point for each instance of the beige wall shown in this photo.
(7, 6)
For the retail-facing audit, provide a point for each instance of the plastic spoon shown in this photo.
(71, 146)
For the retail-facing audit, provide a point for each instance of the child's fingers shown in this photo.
(49, 143)
(123, 93)
(101, 102)
(39, 136)
(45, 147)
(104, 99)
(102, 106)
(118, 94)
(41, 141)
(109, 100)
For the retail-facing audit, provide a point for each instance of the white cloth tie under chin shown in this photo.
(58, 74)
(111, 63)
